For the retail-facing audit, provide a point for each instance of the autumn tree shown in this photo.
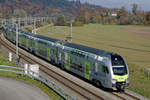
(137, 16)
(60, 21)
(147, 18)
(83, 15)
(134, 9)
(122, 16)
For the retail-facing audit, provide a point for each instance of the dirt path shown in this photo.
(145, 33)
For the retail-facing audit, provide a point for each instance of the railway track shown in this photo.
(83, 92)
(78, 88)
(124, 96)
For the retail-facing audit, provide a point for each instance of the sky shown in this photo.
(143, 4)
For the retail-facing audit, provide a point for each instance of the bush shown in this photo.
(78, 23)
(38, 24)
(29, 29)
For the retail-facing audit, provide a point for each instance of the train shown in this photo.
(100, 67)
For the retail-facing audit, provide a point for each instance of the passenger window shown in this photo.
(66, 55)
(59, 56)
(105, 69)
(96, 67)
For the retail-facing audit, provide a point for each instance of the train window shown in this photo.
(66, 55)
(117, 60)
(42, 49)
(96, 67)
(32, 43)
(120, 70)
(77, 66)
(77, 53)
(51, 51)
(54, 51)
(63, 56)
(105, 69)
(59, 56)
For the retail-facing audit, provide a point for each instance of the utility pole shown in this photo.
(2, 22)
(12, 22)
(71, 32)
(16, 43)
(25, 21)
(19, 23)
(34, 27)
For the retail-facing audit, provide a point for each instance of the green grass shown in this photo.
(4, 60)
(131, 42)
(36, 83)
(43, 87)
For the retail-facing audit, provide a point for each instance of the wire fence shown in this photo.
(61, 92)
(146, 72)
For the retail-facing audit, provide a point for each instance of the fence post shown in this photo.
(34, 70)
(148, 74)
(10, 56)
(26, 69)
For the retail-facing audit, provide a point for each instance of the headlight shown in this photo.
(113, 81)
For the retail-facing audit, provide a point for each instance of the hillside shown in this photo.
(21, 8)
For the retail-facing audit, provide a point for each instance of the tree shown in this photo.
(122, 16)
(121, 13)
(134, 9)
(80, 19)
(94, 19)
(147, 18)
(60, 20)
(83, 15)
(19, 13)
(137, 16)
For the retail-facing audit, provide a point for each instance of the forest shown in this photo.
(66, 11)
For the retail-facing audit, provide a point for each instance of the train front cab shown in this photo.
(120, 73)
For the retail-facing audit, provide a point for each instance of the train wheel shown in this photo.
(97, 83)
(120, 90)
(62, 67)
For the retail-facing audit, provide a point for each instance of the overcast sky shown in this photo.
(143, 4)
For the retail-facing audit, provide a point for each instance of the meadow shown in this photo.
(131, 42)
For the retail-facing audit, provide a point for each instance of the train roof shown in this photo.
(88, 49)
(46, 38)
(76, 46)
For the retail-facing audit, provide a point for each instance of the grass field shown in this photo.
(131, 42)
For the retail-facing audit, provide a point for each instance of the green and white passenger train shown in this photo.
(100, 67)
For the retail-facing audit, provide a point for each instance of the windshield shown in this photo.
(117, 60)
(118, 65)
(120, 70)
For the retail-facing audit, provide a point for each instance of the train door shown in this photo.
(67, 60)
(48, 53)
(36, 47)
(27, 42)
(87, 70)
(105, 74)
(63, 61)
(57, 54)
